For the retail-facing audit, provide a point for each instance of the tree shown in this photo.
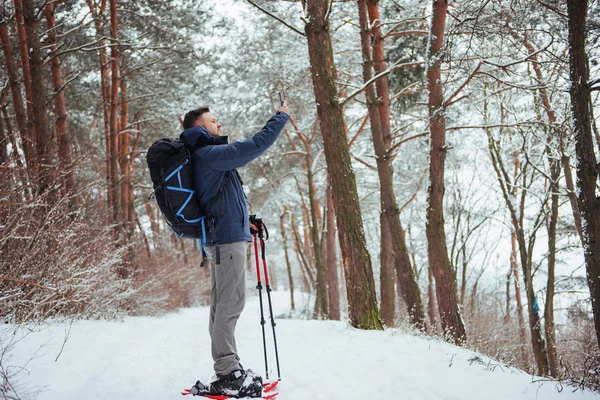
(360, 285)
(587, 166)
(17, 98)
(445, 282)
(114, 118)
(393, 241)
(65, 152)
(44, 145)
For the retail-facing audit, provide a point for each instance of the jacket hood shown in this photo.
(197, 136)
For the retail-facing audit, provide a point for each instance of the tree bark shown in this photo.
(379, 64)
(384, 170)
(566, 164)
(17, 98)
(587, 165)
(44, 145)
(30, 142)
(114, 120)
(65, 152)
(331, 270)
(405, 275)
(3, 144)
(124, 163)
(105, 90)
(447, 298)
(360, 284)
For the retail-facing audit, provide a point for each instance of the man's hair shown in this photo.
(191, 116)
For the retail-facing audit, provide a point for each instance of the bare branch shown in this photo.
(461, 87)
(380, 75)
(277, 18)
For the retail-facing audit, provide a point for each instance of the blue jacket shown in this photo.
(213, 160)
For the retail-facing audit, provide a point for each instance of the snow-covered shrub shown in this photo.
(66, 260)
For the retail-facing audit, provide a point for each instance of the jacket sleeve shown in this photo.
(235, 155)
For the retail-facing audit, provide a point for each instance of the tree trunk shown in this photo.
(385, 171)
(105, 90)
(153, 223)
(520, 315)
(3, 145)
(15, 154)
(114, 120)
(507, 317)
(331, 270)
(566, 164)
(383, 92)
(549, 308)
(287, 260)
(29, 145)
(587, 166)
(13, 79)
(360, 284)
(321, 306)
(124, 159)
(395, 234)
(447, 298)
(44, 145)
(535, 324)
(63, 135)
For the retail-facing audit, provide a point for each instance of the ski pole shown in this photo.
(260, 226)
(259, 287)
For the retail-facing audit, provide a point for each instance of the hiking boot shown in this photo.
(238, 383)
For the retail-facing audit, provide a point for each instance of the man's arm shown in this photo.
(235, 155)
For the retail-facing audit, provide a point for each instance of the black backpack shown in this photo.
(169, 162)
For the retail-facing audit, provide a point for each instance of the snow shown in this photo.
(156, 357)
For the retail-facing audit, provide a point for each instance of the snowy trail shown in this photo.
(155, 358)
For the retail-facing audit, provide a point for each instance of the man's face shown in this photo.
(210, 123)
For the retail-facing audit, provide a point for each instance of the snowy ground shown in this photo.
(155, 358)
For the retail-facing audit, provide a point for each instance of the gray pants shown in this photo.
(228, 298)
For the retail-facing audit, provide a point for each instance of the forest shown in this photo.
(440, 170)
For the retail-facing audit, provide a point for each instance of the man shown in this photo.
(219, 190)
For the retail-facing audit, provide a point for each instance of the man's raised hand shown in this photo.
(284, 108)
